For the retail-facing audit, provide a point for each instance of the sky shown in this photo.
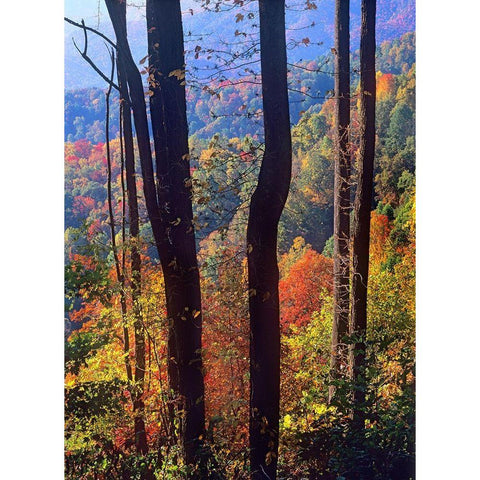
(86, 9)
(90, 9)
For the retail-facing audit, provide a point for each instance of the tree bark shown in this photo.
(170, 134)
(141, 444)
(341, 223)
(266, 207)
(169, 208)
(118, 269)
(117, 13)
(362, 209)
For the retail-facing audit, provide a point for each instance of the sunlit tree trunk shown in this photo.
(362, 208)
(266, 207)
(341, 223)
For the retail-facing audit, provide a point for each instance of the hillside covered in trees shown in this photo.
(157, 388)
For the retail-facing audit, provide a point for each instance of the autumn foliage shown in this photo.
(314, 435)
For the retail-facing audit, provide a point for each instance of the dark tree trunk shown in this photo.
(170, 132)
(127, 137)
(266, 207)
(362, 208)
(159, 128)
(170, 208)
(117, 13)
(136, 97)
(341, 222)
(118, 269)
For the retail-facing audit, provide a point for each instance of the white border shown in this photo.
(31, 239)
(448, 167)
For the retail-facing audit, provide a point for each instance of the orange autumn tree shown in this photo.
(302, 282)
(226, 342)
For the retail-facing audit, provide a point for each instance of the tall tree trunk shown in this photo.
(157, 114)
(118, 269)
(127, 137)
(266, 207)
(341, 222)
(170, 209)
(136, 97)
(170, 133)
(362, 209)
(117, 13)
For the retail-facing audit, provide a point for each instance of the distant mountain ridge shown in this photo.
(211, 29)
(233, 108)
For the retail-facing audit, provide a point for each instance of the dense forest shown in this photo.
(205, 335)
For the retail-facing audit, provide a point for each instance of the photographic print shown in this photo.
(240, 239)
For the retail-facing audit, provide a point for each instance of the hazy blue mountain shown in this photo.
(217, 31)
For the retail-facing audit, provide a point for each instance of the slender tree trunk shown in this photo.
(266, 207)
(127, 137)
(136, 97)
(118, 269)
(362, 208)
(341, 222)
(117, 12)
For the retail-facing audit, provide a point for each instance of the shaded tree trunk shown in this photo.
(341, 223)
(266, 207)
(362, 209)
(170, 133)
(141, 444)
(118, 269)
(169, 208)
(157, 114)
